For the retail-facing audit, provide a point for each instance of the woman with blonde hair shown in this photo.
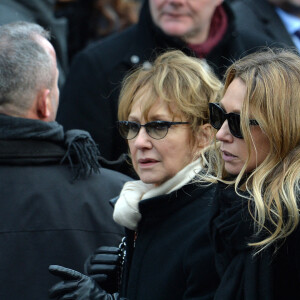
(164, 116)
(256, 160)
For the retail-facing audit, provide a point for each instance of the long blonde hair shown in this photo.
(272, 79)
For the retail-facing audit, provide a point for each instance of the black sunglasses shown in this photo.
(218, 116)
(156, 129)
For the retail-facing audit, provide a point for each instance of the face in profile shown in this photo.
(186, 19)
(156, 161)
(234, 150)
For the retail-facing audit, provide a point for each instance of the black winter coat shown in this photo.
(89, 99)
(48, 219)
(269, 275)
(171, 257)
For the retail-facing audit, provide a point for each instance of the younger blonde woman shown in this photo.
(256, 160)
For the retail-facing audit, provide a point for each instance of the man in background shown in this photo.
(278, 20)
(54, 197)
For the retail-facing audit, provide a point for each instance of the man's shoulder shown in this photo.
(114, 175)
(30, 152)
(253, 15)
(101, 57)
(48, 161)
(252, 41)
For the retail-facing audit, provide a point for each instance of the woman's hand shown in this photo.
(104, 267)
(75, 285)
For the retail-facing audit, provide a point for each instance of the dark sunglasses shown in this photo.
(156, 129)
(218, 116)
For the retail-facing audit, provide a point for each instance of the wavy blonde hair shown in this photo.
(272, 79)
(180, 80)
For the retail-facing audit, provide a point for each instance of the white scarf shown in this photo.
(126, 211)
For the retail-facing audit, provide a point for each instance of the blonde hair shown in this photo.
(272, 79)
(186, 82)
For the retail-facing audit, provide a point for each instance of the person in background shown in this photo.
(163, 115)
(42, 13)
(204, 28)
(276, 19)
(92, 20)
(54, 195)
(255, 213)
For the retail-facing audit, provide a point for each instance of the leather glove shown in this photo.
(76, 286)
(104, 267)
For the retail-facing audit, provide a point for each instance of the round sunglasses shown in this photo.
(218, 116)
(156, 129)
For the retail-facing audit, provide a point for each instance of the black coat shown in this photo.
(48, 219)
(171, 257)
(260, 17)
(269, 275)
(89, 99)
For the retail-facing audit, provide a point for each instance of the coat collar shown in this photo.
(150, 40)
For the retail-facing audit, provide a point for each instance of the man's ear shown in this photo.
(43, 104)
(204, 136)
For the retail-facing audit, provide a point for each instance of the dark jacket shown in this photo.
(47, 217)
(42, 13)
(269, 275)
(89, 99)
(260, 17)
(171, 257)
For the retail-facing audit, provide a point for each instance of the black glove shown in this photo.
(104, 267)
(76, 286)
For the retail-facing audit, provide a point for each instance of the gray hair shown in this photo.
(25, 66)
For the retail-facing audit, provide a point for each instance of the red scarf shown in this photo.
(217, 30)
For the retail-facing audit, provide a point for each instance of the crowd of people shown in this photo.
(150, 149)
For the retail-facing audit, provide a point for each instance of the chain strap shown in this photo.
(122, 255)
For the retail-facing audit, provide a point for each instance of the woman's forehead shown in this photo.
(154, 106)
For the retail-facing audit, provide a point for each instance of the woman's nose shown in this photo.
(143, 140)
(224, 134)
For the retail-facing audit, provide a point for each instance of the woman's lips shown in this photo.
(174, 15)
(227, 156)
(146, 162)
